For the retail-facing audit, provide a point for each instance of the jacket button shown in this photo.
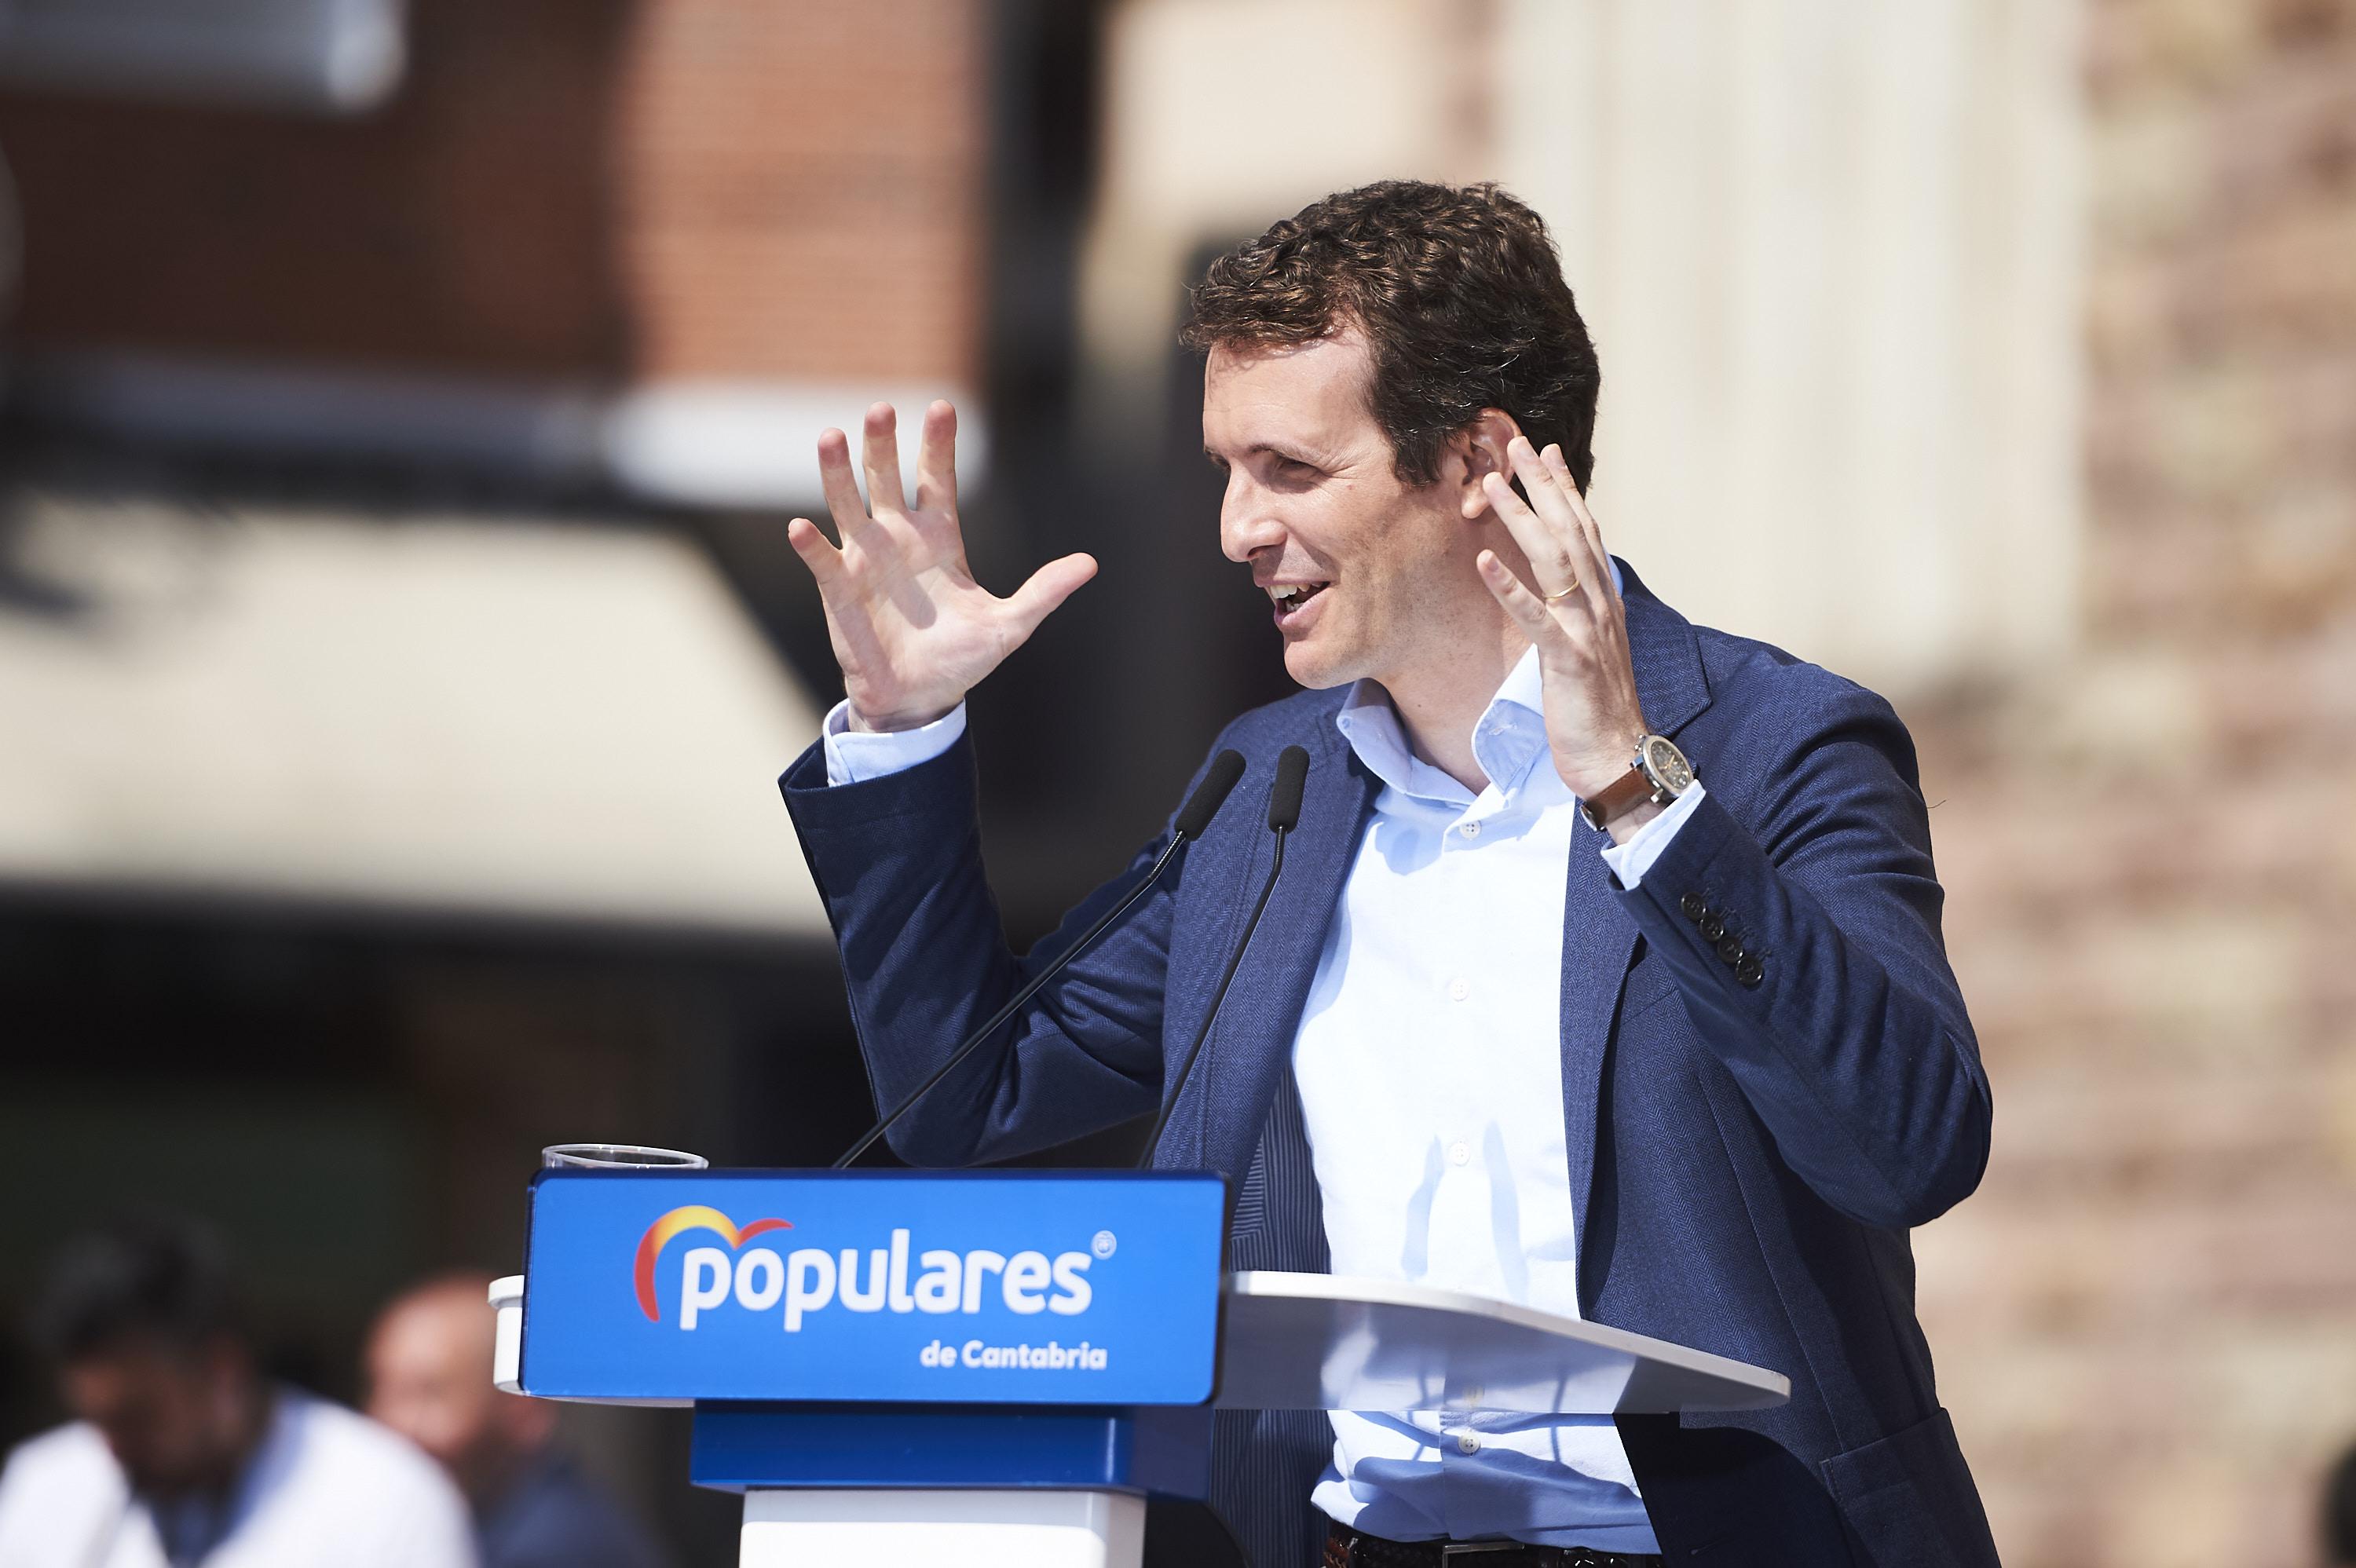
(1730, 949)
(1712, 928)
(1751, 972)
(1693, 906)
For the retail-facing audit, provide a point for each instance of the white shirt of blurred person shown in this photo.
(184, 1455)
(429, 1375)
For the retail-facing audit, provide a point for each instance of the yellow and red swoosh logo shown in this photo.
(694, 1217)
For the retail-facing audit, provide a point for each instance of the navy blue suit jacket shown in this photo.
(1745, 1160)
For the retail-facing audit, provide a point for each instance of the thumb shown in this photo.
(1049, 586)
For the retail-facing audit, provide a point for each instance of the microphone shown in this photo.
(1218, 782)
(1284, 795)
(1284, 815)
(1218, 779)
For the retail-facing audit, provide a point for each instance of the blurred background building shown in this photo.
(398, 642)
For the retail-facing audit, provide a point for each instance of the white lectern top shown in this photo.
(1315, 1341)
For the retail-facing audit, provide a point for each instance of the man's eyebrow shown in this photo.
(1273, 449)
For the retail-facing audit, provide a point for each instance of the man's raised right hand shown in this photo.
(911, 628)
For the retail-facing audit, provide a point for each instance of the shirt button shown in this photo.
(1471, 830)
(1459, 988)
(1459, 1154)
(1468, 1442)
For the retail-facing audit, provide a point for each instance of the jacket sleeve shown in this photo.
(1801, 919)
(897, 860)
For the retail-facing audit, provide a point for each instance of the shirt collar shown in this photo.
(1508, 738)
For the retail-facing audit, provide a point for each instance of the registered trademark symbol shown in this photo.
(1103, 1244)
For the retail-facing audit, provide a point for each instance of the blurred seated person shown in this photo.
(429, 1375)
(183, 1453)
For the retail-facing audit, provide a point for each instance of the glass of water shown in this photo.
(620, 1157)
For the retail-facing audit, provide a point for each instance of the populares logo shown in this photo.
(694, 1217)
(808, 1279)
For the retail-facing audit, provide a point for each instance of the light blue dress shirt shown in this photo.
(1429, 1064)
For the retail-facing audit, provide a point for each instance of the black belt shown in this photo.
(1348, 1548)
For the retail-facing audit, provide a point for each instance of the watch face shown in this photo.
(1668, 765)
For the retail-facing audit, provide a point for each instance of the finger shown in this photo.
(823, 558)
(1049, 586)
(879, 453)
(1539, 483)
(936, 460)
(1559, 467)
(1553, 566)
(1591, 531)
(1526, 609)
(843, 502)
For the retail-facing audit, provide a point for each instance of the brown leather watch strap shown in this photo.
(1624, 793)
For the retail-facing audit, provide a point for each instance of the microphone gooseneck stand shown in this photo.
(1218, 779)
(1284, 815)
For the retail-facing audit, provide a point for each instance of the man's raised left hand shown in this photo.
(1571, 610)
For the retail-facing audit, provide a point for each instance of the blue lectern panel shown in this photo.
(1153, 1449)
(1014, 1287)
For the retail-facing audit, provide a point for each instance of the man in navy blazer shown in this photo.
(1767, 1073)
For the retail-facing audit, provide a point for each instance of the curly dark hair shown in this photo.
(1461, 296)
(145, 1275)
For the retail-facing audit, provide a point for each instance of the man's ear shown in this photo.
(1482, 446)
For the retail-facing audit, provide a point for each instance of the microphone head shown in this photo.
(1218, 779)
(1284, 795)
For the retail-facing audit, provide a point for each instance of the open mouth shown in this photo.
(1289, 597)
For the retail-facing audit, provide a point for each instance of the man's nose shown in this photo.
(1247, 526)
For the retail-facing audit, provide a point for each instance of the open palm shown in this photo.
(911, 628)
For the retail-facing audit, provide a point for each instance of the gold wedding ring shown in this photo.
(1557, 598)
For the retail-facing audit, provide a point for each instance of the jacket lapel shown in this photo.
(1598, 938)
(1251, 1043)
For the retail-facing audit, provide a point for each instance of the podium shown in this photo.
(1001, 1365)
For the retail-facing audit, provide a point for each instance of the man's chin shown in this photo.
(1311, 667)
(159, 1486)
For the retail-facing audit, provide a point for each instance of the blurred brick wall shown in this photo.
(561, 189)
(2145, 1321)
(804, 188)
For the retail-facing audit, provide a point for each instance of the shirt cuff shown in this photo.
(1629, 861)
(853, 756)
